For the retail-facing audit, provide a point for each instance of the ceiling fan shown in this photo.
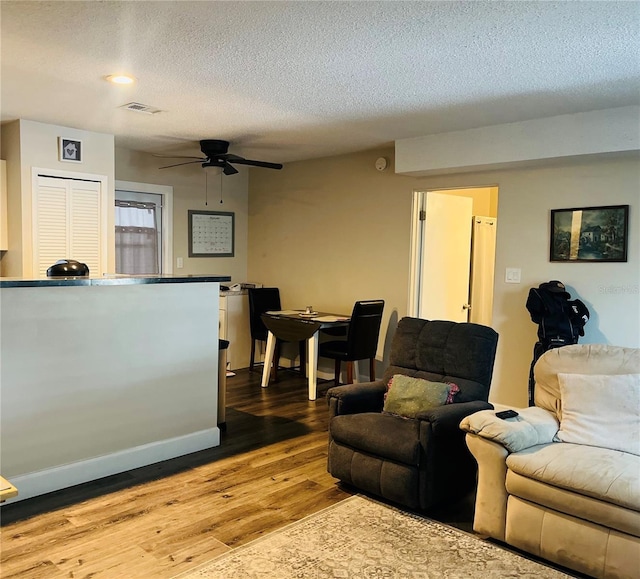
(216, 155)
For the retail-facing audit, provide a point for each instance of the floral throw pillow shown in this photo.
(407, 396)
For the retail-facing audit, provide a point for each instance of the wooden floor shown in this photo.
(157, 521)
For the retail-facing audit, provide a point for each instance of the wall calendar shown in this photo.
(211, 233)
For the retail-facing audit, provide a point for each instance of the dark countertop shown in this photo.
(6, 282)
(226, 293)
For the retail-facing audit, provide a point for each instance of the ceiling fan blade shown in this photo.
(177, 156)
(241, 161)
(229, 170)
(232, 158)
(179, 164)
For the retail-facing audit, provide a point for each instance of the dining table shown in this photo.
(294, 326)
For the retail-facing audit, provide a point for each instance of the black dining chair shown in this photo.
(263, 300)
(361, 342)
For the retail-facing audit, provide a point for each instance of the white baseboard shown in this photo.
(60, 477)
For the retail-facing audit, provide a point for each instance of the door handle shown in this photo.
(466, 306)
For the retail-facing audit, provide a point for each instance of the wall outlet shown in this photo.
(512, 275)
(179, 263)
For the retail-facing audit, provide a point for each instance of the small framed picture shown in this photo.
(69, 150)
(589, 234)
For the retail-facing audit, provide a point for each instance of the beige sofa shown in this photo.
(562, 480)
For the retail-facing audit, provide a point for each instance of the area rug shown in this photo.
(359, 538)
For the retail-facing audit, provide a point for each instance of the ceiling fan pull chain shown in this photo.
(220, 186)
(206, 187)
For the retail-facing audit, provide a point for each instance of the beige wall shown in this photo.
(28, 144)
(189, 193)
(331, 231)
(610, 290)
(334, 230)
(11, 261)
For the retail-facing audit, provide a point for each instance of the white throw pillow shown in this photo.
(601, 410)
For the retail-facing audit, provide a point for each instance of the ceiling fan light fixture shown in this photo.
(216, 155)
(120, 78)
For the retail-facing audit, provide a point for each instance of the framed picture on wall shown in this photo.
(69, 150)
(211, 233)
(589, 234)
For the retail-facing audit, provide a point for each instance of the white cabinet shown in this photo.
(234, 326)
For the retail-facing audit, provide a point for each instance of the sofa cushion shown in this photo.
(396, 438)
(607, 475)
(574, 504)
(590, 549)
(601, 410)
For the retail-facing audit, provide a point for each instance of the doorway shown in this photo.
(453, 254)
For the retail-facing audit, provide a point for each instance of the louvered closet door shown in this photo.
(84, 241)
(50, 223)
(67, 223)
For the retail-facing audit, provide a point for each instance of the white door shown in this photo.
(445, 257)
(483, 259)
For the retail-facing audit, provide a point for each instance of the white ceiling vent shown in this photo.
(140, 108)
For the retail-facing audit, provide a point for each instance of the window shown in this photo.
(143, 228)
(138, 250)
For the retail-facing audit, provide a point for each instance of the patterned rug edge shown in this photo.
(482, 546)
(268, 536)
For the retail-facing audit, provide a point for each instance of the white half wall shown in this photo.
(99, 379)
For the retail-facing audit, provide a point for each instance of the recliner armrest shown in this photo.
(447, 418)
(356, 398)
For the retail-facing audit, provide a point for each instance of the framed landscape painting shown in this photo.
(589, 234)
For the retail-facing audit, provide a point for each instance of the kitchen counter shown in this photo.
(109, 280)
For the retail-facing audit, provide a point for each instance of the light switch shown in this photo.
(512, 275)
(179, 263)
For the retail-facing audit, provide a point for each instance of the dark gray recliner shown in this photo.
(421, 462)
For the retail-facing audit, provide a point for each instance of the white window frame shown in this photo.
(167, 216)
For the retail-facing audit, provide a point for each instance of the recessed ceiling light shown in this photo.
(121, 78)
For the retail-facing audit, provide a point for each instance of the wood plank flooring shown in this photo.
(160, 520)
(157, 521)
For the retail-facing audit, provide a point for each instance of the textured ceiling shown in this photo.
(286, 81)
